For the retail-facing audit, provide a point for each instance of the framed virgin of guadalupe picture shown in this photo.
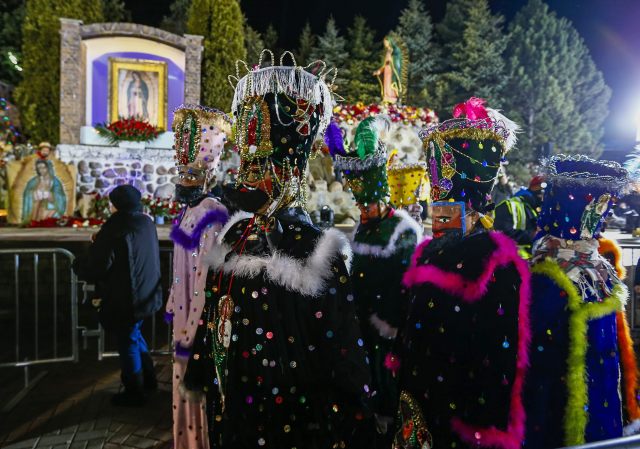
(138, 89)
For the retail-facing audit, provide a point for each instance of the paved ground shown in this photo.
(69, 408)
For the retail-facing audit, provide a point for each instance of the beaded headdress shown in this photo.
(408, 182)
(303, 104)
(365, 167)
(200, 134)
(579, 195)
(281, 112)
(464, 153)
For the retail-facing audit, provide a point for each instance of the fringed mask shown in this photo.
(580, 194)
(281, 112)
(464, 153)
(200, 136)
(365, 166)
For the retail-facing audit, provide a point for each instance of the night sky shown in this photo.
(611, 29)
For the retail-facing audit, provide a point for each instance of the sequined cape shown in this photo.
(382, 252)
(295, 373)
(464, 350)
(583, 378)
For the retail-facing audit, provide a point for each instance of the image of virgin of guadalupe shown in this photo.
(394, 71)
(137, 97)
(43, 196)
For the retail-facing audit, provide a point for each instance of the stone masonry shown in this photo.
(72, 89)
(71, 92)
(100, 169)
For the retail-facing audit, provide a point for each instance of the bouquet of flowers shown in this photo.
(131, 129)
(409, 115)
(159, 207)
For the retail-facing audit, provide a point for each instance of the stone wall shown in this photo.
(72, 70)
(71, 81)
(100, 169)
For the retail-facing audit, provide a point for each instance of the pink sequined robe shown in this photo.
(193, 237)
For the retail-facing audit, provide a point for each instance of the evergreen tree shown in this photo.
(555, 91)
(11, 17)
(176, 20)
(332, 50)
(361, 85)
(253, 42)
(270, 40)
(416, 29)
(222, 24)
(38, 94)
(307, 43)
(472, 63)
(115, 11)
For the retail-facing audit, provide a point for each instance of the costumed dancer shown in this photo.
(279, 351)
(583, 377)
(465, 347)
(382, 246)
(408, 184)
(200, 135)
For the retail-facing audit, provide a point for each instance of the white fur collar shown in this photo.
(308, 277)
(406, 223)
(238, 216)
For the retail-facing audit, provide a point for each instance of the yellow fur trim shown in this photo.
(575, 419)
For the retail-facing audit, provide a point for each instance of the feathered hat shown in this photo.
(365, 167)
(408, 182)
(200, 134)
(464, 153)
(579, 195)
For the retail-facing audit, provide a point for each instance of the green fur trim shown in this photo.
(575, 419)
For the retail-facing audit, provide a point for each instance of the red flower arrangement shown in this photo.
(131, 129)
(409, 115)
(159, 207)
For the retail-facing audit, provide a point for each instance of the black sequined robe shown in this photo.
(295, 372)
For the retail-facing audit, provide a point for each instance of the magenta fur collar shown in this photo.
(471, 290)
(191, 241)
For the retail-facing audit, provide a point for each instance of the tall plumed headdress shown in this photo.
(579, 195)
(464, 153)
(365, 166)
(200, 134)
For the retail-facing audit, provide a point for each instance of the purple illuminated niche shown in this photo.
(100, 79)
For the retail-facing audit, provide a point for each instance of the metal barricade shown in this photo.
(630, 254)
(38, 310)
(632, 442)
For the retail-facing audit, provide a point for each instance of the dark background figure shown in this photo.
(518, 216)
(628, 209)
(502, 191)
(124, 263)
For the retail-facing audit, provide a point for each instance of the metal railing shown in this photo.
(632, 442)
(630, 254)
(38, 311)
(36, 291)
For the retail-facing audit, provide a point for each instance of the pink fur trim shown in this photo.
(505, 254)
(470, 290)
(418, 252)
(513, 437)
